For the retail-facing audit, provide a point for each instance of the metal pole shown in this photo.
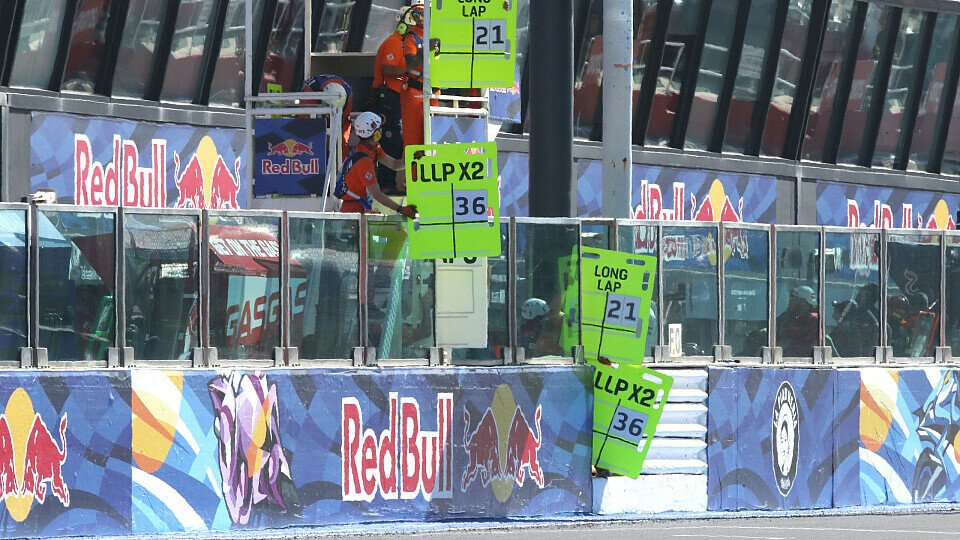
(552, 184)
(617, 107)
(427, 89)
(248, 90)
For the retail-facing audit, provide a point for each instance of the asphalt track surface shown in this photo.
(903, 526)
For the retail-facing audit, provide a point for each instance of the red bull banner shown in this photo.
(662, 193)
(112, 162)
(849, 205)
(290, 156)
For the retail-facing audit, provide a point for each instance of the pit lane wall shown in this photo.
(784, 439)
(115, 452)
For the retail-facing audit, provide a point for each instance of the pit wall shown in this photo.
(146, 451)
(862, 437)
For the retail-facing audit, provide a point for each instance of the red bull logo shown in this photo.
(291, 150)
(715, 207)
(122, 181)
(206, 180)
(883, 216)
(503, 447)
(31, 459)
(405, 461)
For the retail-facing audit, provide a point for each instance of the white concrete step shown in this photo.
(687, 395)
(678, 450)
(688, 379)
(674, 466)
(682, 430)
(684, 413)
(650, 493)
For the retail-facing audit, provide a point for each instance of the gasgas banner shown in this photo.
(850, 205)
(105, 161)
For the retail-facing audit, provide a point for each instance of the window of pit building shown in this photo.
(903, 73)
(835, 43)
(333, 25)
(788, 75)
(138, 47)
(37, 44)
(851, 284)
(690, 286)
(182, 76)
(713, 65)
(933, 82)
(13, 283)
(798, 282)
(381, 22)
(87, 47)
(286, 38)
(230, 72)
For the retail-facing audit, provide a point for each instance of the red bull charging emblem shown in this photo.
(502, 447)
(205, 180)
(31, 459)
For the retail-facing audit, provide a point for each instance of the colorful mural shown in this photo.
(153, 451)
(909, 431)
(106, 161)
(775, 438)
(888, 208)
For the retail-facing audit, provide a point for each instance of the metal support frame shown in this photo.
(204, 355)
(648, 87)
(689, 88)
(518, 352)
(799, 113)
(119, 354)
(617, 104)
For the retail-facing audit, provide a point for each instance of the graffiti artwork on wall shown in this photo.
(253, 467)
(909, 427)
(106, 161)
(774, 440)
(850, 205)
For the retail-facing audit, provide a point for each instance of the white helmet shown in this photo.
(533, 308)
(366, 124)
(341, 93)
(402, 12)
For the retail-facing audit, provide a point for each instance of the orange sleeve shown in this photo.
(409, 45)
(390, 53)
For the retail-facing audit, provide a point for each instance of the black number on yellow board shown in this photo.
(482, 32)
(647, 398)
(631, 308)
(463, 205)
(621, 421)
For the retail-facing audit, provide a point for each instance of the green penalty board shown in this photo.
(477, 43)
(455, 189)
(628, 400)
(617, 289)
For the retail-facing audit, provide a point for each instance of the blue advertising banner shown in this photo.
(770, 443)
(505, 102)
(658, 192)
(107, 161)
(909, 421)
(846, 438)
(883, 207)
(290, 156)
(64, 453)
(363, 445)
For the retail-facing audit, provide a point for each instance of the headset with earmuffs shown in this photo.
(402, 25)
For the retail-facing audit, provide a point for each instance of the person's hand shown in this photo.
(409, 211)
(401, 179)
(435, 46)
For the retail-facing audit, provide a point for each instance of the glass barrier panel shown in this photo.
(798, 286)
(852, 290)
(913, 294)
(244, 286)
(746, 277)
(324, 267)
(642, 240)
(548, 288)
(690, 282)
(498, 306)
(76, 281)
(400, 315)
(951, 317)
(161, 292)
(13, 283)
(595, 235)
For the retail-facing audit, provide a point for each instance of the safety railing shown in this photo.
(110, 287)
